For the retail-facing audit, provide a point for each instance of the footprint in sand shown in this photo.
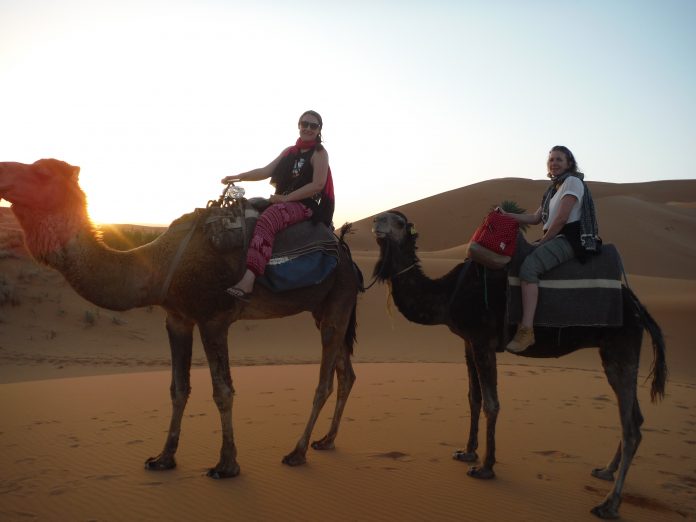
(555, 454)
(394, 455)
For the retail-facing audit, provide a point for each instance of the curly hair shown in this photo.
(572, 164)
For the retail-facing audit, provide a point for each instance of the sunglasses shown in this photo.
(307, 124)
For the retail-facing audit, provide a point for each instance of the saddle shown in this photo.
(573, 293)
(303, 255)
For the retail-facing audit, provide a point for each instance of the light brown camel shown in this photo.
(50, 207)
(471, 302)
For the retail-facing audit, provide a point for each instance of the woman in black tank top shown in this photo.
(303, 190)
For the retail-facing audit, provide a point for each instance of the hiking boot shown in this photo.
(524, 338)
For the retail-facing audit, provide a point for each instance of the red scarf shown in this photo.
(301, 145)
(304, 145)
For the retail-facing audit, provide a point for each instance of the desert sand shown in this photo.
(84, 395)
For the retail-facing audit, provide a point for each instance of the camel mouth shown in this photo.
(382, 238)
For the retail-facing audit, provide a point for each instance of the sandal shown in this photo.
(239, 294)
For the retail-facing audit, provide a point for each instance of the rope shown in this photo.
(374, 279)
(177, 258)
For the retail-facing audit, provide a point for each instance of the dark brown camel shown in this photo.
(50, 207)
(457, 300)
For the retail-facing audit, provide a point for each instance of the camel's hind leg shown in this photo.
(332, 339)
(621, 367)
(214, 337)
(346, 378)
(180, 332)
(469, 454)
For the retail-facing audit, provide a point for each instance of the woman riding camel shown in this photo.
(570, 230)
(303, 190)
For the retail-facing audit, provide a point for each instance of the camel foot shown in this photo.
(294, 459)
(605, 510)
(324, 444)
(465, 456)
(219, 472)
(481, 473)
(160, 463)
(603, 473)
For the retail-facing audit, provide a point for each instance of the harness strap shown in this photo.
(177, 258)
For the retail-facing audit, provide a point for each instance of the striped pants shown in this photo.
(275, 218)
(544, 258)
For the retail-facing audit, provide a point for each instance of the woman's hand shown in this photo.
(278, 198)
(231, 179)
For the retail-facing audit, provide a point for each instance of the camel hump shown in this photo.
(304, 237)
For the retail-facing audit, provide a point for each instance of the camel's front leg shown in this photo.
(214, 337)
(470, 455)
(331, 342)
(484, 359)
(180, 332)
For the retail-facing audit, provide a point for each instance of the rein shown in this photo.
(177, 258)
(374, 279)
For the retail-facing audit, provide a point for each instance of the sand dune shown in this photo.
(85, 400)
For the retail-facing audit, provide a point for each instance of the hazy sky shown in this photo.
(158, 100)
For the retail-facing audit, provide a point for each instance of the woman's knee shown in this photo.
(530, 270)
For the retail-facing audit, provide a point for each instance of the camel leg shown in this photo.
(484, 359)
(346, 378)
(331, 342)
(607, 473)
(214, 337)
(470, 455)
(622, 373)
(180, 332)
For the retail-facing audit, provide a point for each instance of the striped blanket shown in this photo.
(573, 294)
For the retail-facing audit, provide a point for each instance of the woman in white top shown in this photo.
(561, 212)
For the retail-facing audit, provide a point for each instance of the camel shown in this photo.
(50, 207)
(457, 300)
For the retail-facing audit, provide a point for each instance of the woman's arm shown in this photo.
(526, 219)
(256, 174)
(566, 205)
(320, 166)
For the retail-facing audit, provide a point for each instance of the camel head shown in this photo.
(47, 184)
(47, 201)
(396, 238)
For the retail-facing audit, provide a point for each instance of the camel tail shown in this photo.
(658, 372)
(351, 331)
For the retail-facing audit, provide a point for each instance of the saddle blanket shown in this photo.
(574, 293)
(303, 255)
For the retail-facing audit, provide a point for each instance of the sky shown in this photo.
(156, 101)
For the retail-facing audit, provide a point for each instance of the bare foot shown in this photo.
(244, 287)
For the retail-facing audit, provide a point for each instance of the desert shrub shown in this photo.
(90, 317)
(8, 293)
